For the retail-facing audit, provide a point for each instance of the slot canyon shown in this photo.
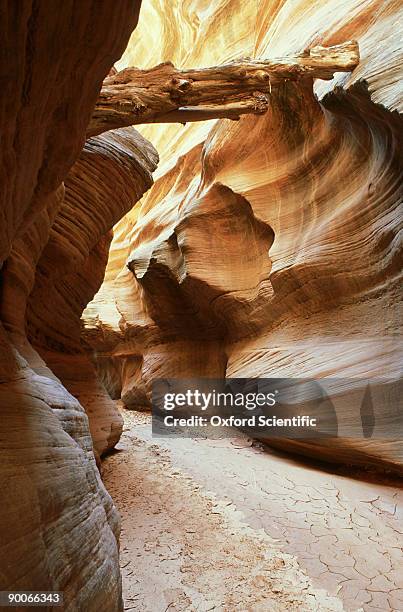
(199, 190)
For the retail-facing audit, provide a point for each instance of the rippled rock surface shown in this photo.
(268, 246)
(58, 527)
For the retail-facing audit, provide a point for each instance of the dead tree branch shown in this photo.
(164, 94)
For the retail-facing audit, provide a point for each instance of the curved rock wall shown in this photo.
(268, 246)
(58, 529)
(112, 173)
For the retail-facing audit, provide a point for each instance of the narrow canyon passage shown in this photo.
(198, 196)
(230, 525)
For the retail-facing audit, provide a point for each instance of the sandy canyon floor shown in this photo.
(227, 525)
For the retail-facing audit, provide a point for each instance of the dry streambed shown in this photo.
(226, 525)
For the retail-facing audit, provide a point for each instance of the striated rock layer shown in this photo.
(113, 171)
(269, 246)
(58, 527)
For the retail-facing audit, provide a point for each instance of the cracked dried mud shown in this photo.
(227, 525)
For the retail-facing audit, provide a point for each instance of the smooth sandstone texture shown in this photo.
(58, 529)
(268, 246)
(113, 171)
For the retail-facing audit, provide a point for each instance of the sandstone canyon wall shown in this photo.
(269, 246)
(59, 529)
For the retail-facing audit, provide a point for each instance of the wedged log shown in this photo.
(135, 96)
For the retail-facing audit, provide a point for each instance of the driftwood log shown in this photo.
(164, 94)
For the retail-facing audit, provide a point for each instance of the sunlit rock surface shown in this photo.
(268, 246)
